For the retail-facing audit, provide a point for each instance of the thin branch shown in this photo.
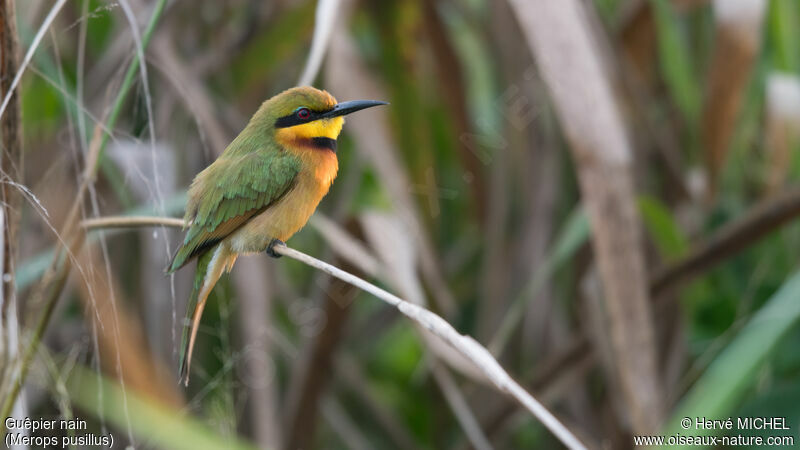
(120, 337)
(561, 41)
(131, 222)
(465, 345)
(729, 240)
(759, 221)
(133, 69)
(394, 246)
(51, 16)
(455, 398)
(10, 163)
(71, 239)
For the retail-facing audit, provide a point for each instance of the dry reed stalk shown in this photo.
(637, 32)
(637, 29)
(451, 79)
(560, 39)
(465, 345)
(312, 377)
(325, 23)
(255, 320)
(347, 75)
(10, 165)
(71, 236)
(123, 347)
(394, 247)
(736, 44)
(783, 127)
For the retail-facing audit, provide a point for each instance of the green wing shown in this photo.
(228, 193)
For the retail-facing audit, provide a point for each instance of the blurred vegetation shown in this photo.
(490, 175)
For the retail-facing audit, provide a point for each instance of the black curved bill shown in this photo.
(345, 108)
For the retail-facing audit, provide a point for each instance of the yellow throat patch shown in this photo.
(298, 134)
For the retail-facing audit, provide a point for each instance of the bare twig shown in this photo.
(559, 38)
(730, 239)
(761, 220)
(121, 340)
(47, 292)
(7, 94)
(131, 222)
(465, 345)
(10, 163)
(394, 246)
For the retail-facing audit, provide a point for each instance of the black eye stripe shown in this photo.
(292, 119)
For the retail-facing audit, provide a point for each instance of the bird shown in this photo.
(260, 191)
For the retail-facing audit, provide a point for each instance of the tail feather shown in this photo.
(180, 258)
(210, 266)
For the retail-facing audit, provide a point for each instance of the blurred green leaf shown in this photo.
(675, 58)
(150, 422)
(100, 25)
(399, 352)
(572, 235)
(271, 50)
(782, 401)
(30, 270)
(784, 34)
(41, 109)
(661, 226)
(720, 389)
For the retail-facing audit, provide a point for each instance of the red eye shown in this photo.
(303, 113)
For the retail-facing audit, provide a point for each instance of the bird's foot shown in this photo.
(271, 248)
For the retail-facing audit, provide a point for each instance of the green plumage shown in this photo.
(255, 173)
(251, 174)
(245, 180)
(202, 266)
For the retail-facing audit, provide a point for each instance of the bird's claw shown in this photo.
(271, 248)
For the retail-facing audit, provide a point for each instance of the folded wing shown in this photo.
(228, 193)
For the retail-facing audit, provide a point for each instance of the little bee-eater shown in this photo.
(261, 190)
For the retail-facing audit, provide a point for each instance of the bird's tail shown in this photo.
(210, 266)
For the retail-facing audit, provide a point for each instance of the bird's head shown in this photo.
(307, 117)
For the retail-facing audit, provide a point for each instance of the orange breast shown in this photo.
(292, 211)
